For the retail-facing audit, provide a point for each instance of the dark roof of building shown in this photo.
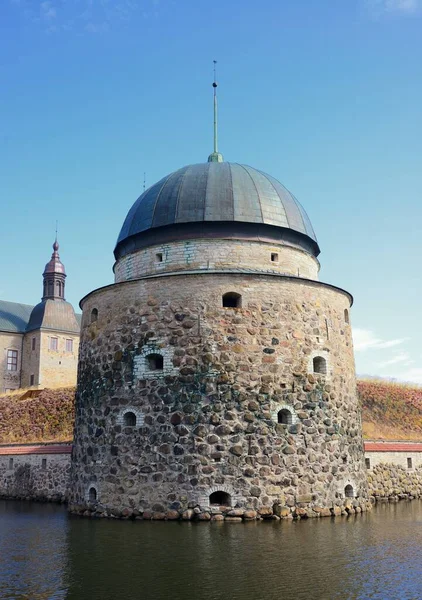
(53, 314)
(19, 318)
(216, 192)
(14, 317)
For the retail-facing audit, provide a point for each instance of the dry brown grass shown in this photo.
(390, 410)
(47, 417)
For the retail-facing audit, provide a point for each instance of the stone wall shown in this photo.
(10, 380)
(390, 482)
(211, 425)
(212, 254)
(35, 472)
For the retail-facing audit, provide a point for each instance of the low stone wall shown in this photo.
(35, 472)
(391, 483)
(276, 512)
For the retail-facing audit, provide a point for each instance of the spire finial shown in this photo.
(56, 244)
(215, 156)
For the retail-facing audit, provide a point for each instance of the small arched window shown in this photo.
(94, 315)
(155, 362)
(129, 419)
(284, 416)
(348, 491)
(320, 365)
(92, 494)
(220, 499)
(346, 316)
(232, 300)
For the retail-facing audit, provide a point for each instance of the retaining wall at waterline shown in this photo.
(35, 471)
(40, 472)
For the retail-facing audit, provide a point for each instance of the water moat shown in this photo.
(47, 553)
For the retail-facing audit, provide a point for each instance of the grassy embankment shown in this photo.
(390, 411)
(47, 417)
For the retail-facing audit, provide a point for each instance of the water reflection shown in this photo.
(33, 551)
(46, 554)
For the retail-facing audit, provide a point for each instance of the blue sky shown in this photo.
(324, 95)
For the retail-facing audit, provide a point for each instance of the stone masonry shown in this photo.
(35, 472)
(210, 413)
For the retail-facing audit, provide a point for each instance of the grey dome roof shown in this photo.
(53, 314)
(215, 193)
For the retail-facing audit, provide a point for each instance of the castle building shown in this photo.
(39, 344)
(217, 371)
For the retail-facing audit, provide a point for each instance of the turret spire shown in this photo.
(54, 276)
(215, 156)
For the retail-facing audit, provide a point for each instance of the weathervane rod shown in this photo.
(214, 85)
(215, 156)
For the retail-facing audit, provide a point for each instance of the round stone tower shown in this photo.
(216, 375)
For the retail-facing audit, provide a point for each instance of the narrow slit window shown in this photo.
(129, 419)
(94, 315)
(274, 257)
(409, 463)
(220, 499)
(33, 342)
(368, 463)
(320, 365)
(349, 492)
(44, 464)
(92, 494)
(159, 257)
(284, 416)
(155, 362)
(32, 380)
(346, 316)
(232, 300)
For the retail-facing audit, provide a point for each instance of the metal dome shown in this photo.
(216, 193)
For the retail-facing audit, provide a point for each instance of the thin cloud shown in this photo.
(413, 375)
(48, 10)
(365, 339)
(91, 16)
(402, 358)
(404, 7)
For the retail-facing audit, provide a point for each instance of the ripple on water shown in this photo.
(44, 553)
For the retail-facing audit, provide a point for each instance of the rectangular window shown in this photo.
(54, 343)
(409, 463)
(159, 257)
(69, 345)
(12, 360)
(368, 463)
(44, 464)
(32, 380)
(33, 344)
(274, 257)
